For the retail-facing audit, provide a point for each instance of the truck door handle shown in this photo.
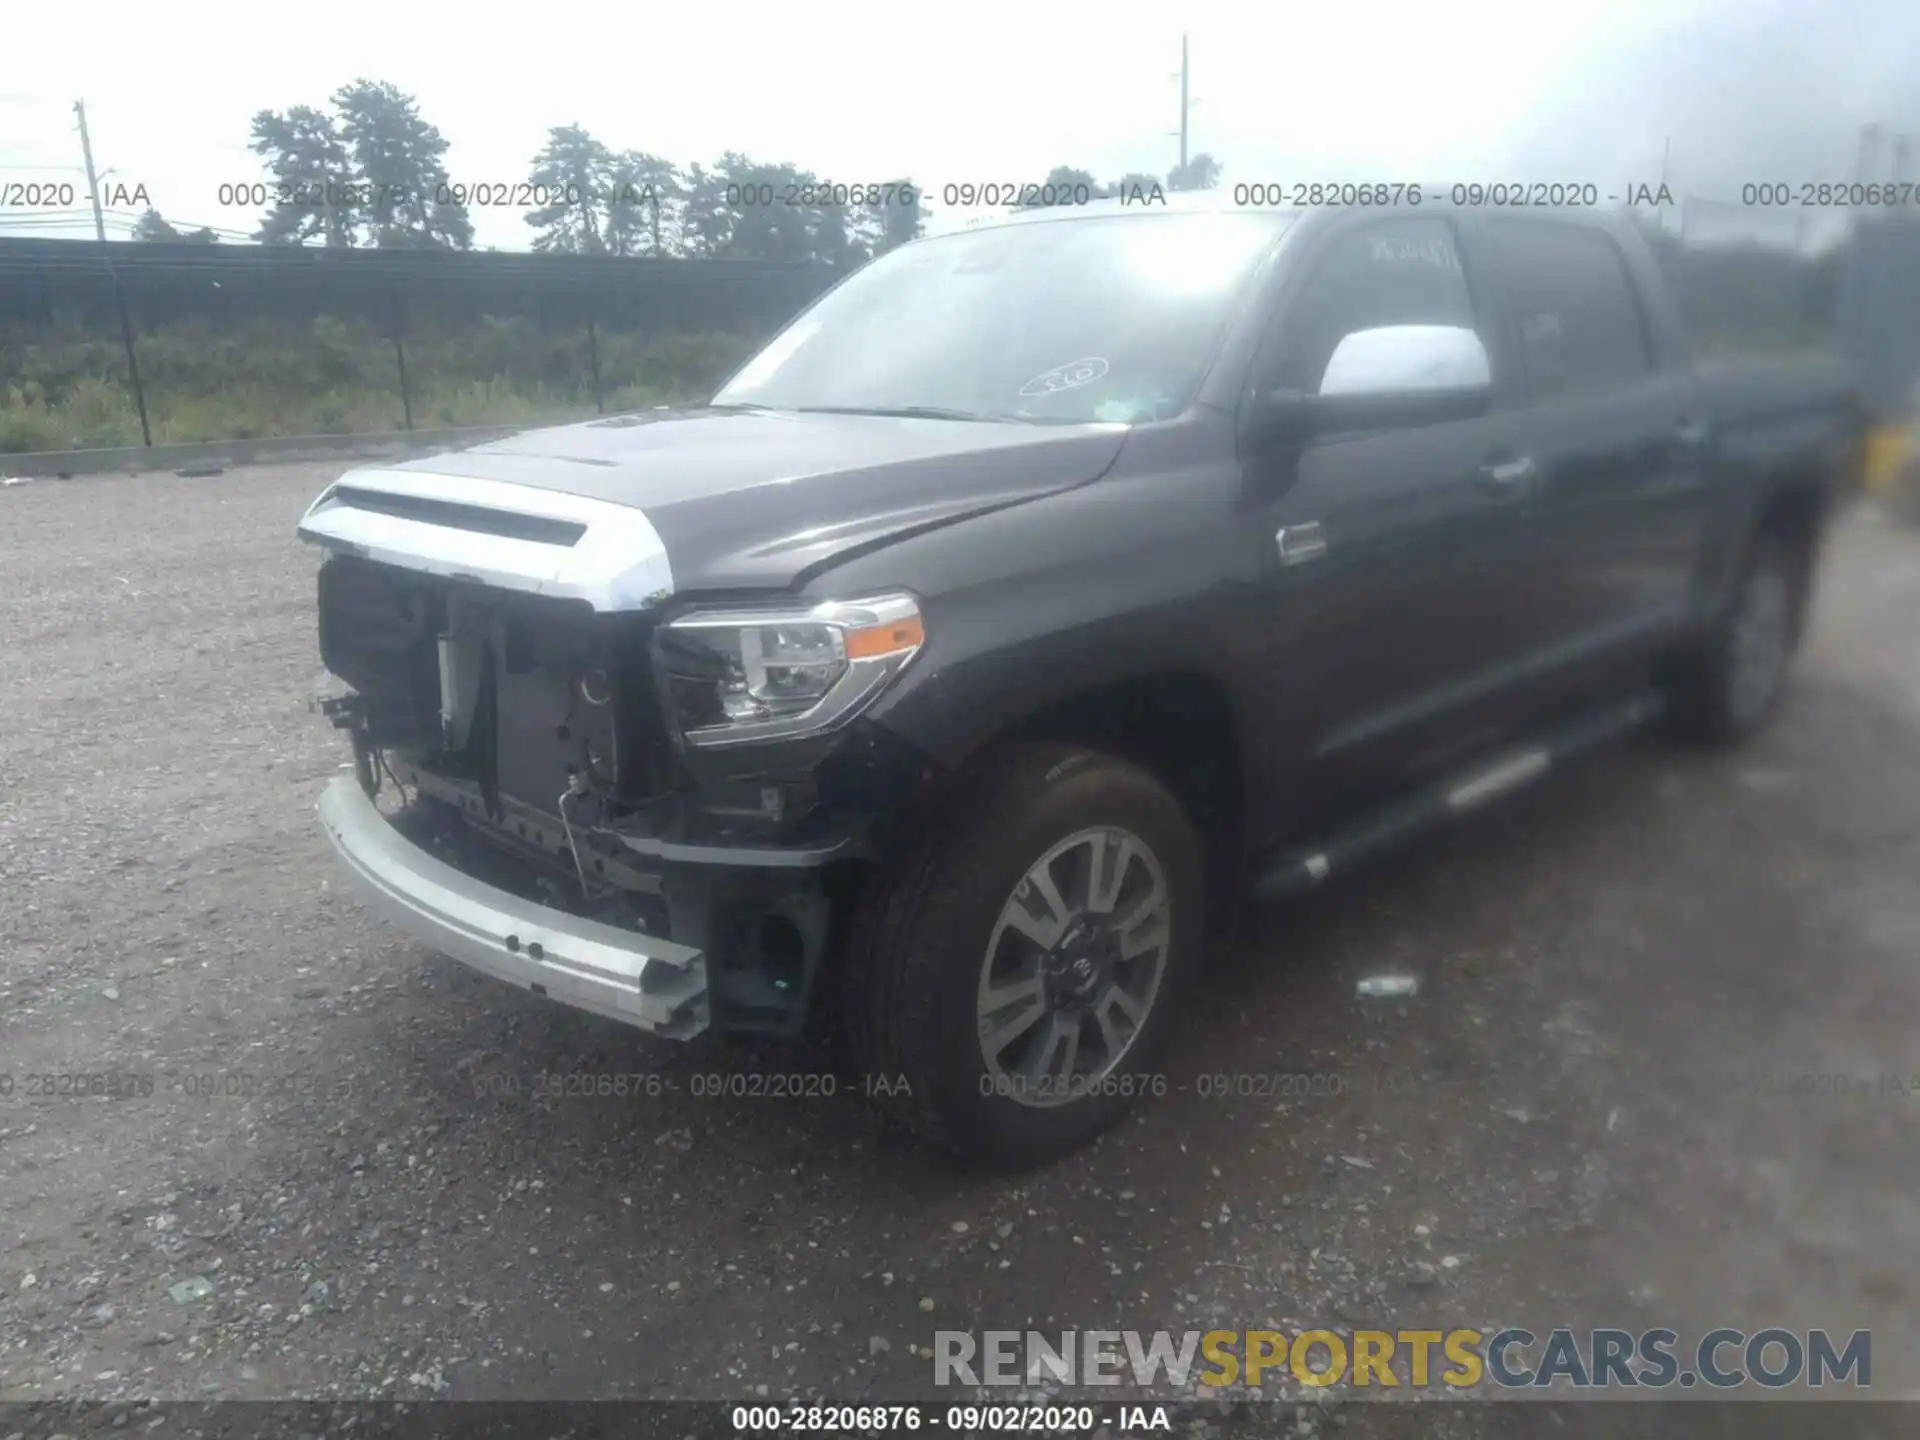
(1508, 478)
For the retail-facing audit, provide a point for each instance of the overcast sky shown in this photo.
(1573, 90)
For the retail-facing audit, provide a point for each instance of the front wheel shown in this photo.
(1011, 977)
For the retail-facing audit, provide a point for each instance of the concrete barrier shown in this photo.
(214, 455)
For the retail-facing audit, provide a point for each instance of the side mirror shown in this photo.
(1386, 378)
(1403, 359)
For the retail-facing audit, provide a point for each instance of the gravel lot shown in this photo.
(1591, 1115)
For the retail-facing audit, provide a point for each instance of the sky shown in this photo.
(1723, 93)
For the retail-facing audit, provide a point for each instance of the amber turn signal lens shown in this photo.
(908, 634)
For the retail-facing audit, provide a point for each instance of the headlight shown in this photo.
(739, 676)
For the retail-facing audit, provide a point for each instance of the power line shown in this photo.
(119, 220)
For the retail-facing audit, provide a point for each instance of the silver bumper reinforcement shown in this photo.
(653, 984)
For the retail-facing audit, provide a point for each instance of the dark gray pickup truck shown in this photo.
(1040, 591)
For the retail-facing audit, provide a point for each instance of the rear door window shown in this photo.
(1575, 312)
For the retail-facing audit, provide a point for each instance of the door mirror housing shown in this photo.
(1390, 377)
(1398, 359)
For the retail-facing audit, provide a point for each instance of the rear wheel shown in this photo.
(1011, 978)
(1904, 494)
(1729, 688)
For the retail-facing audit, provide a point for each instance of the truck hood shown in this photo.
(625, 511)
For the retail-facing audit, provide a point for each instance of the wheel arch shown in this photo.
(1180, 725)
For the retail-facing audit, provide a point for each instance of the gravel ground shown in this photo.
(1592, 1114)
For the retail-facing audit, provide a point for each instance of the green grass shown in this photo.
(64, 390)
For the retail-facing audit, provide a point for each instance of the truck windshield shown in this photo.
(1094, 318)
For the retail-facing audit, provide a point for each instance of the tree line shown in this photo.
(368, 171)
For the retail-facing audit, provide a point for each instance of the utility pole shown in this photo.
(1666, 174)
(93, 182)
(1869, 148)
(1185, 103)
(119, 289)
(1185, 106)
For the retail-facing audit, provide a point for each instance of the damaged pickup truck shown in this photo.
(1040, 591)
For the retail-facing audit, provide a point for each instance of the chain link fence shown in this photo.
(129, 344)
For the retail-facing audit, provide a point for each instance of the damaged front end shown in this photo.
(583, 848)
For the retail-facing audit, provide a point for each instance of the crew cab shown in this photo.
(1042, 590)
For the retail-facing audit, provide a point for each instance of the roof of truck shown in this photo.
(1159, 202)
(1435, 199)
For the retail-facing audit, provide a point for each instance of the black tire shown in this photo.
(1715, 693)
(919, 946)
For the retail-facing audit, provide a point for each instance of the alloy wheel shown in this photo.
(1073, 967)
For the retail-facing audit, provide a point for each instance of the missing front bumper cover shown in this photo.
(654, 985)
